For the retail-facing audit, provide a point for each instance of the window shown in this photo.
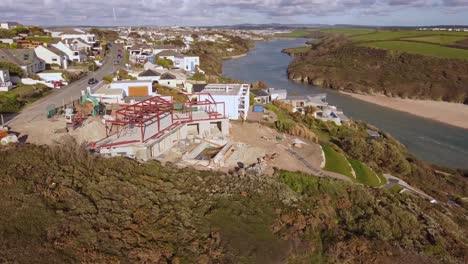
(54, 59)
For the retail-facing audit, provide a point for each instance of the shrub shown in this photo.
(9, 103)
(107, 79)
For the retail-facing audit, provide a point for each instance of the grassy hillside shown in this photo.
(79, 208)
(348, 31)
(366, 175)
(336, 162)
(420, 48)
(439, 39)
(395, 35)
(406, 69)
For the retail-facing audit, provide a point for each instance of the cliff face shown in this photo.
(337, 64)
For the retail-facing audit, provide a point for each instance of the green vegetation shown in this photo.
(81, 208)
(365, 175)
(13, 100)
(198, 76)
(296, 51)
(12, 68)
(420, 48)
(44, 39)
(336, 162)
(123, 75)
(439, 39)
(177, 96)
(108, 79)
(348, 31)
(166, 63)
(396, 35)
(106, 35)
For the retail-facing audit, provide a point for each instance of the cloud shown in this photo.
(202, 12)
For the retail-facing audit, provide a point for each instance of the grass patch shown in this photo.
(176, 95)
(364, 174)
(439, 39)
(348, 31)
(395, 188)
(298, 50)
(44, 39)
(336, 162)
(420, 48)
(395, 35)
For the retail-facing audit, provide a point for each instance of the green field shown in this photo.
(297, 50)
(336, 162)
(420, 48)
(394, 35)
(439, 39)
(365, 175)
(348, 31)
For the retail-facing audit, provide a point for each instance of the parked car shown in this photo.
(57, 84)
(92, 81)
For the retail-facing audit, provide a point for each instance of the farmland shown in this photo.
(439, 39)
(396, 35)
(419, 48)
(348, 31)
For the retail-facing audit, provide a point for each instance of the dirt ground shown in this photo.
(269, 141)
(51, 131)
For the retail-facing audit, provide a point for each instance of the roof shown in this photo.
(223, 89)
(133, 81)
(139, 46)
(196, 88)
(21, 57)
(149, 73)
(168, 76)
(167, 53)
(55, 50)
(165, 47)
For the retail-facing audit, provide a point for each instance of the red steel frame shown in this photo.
(152, 110)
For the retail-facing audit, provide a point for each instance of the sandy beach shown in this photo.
(448, 113)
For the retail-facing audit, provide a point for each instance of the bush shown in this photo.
(9, 103)
(166, 63)
(107, 79)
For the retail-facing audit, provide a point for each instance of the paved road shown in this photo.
(37, 110)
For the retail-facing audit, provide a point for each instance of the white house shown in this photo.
(78, 44)
(173, 79)
(74, 34)
(5, 82)
(149, 75)
(137, 88)
(278, 94)
(234, 96)
(51, 55)
(73, 55)
(7, 41)
(187, 63)
(8, 25)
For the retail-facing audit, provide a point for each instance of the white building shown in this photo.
(173, 79)
(186, 63)
(134, 88)
(278, 94)
(234, 96)
(70, 34)
(5, 82)
(149, 75)
(51, 55)
(73, 55)
(8, 25)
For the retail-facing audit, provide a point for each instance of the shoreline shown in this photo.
(453, 114)
(234, 56)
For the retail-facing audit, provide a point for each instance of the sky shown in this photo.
(229, 12)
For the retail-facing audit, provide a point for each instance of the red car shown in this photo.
(57, 84)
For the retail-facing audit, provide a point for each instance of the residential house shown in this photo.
(160, 48)
(173, 79)
(277, 94)
(149, 75)
(73, 55)
(25, 58)
(234, 96)
(70, 34)
(8, 25)
(261, 96)
(140, 52)
(138, 88)
(5, 82)
(78, 44)
(51, 55)
(186, 63)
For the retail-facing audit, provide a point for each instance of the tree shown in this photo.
(5, 33)
(20, 30)
(12, 68)
(166, 63)
(37, 31)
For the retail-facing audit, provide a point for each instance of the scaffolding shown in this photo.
(155, 116)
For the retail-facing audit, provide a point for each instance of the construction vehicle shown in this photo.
(73, 120)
